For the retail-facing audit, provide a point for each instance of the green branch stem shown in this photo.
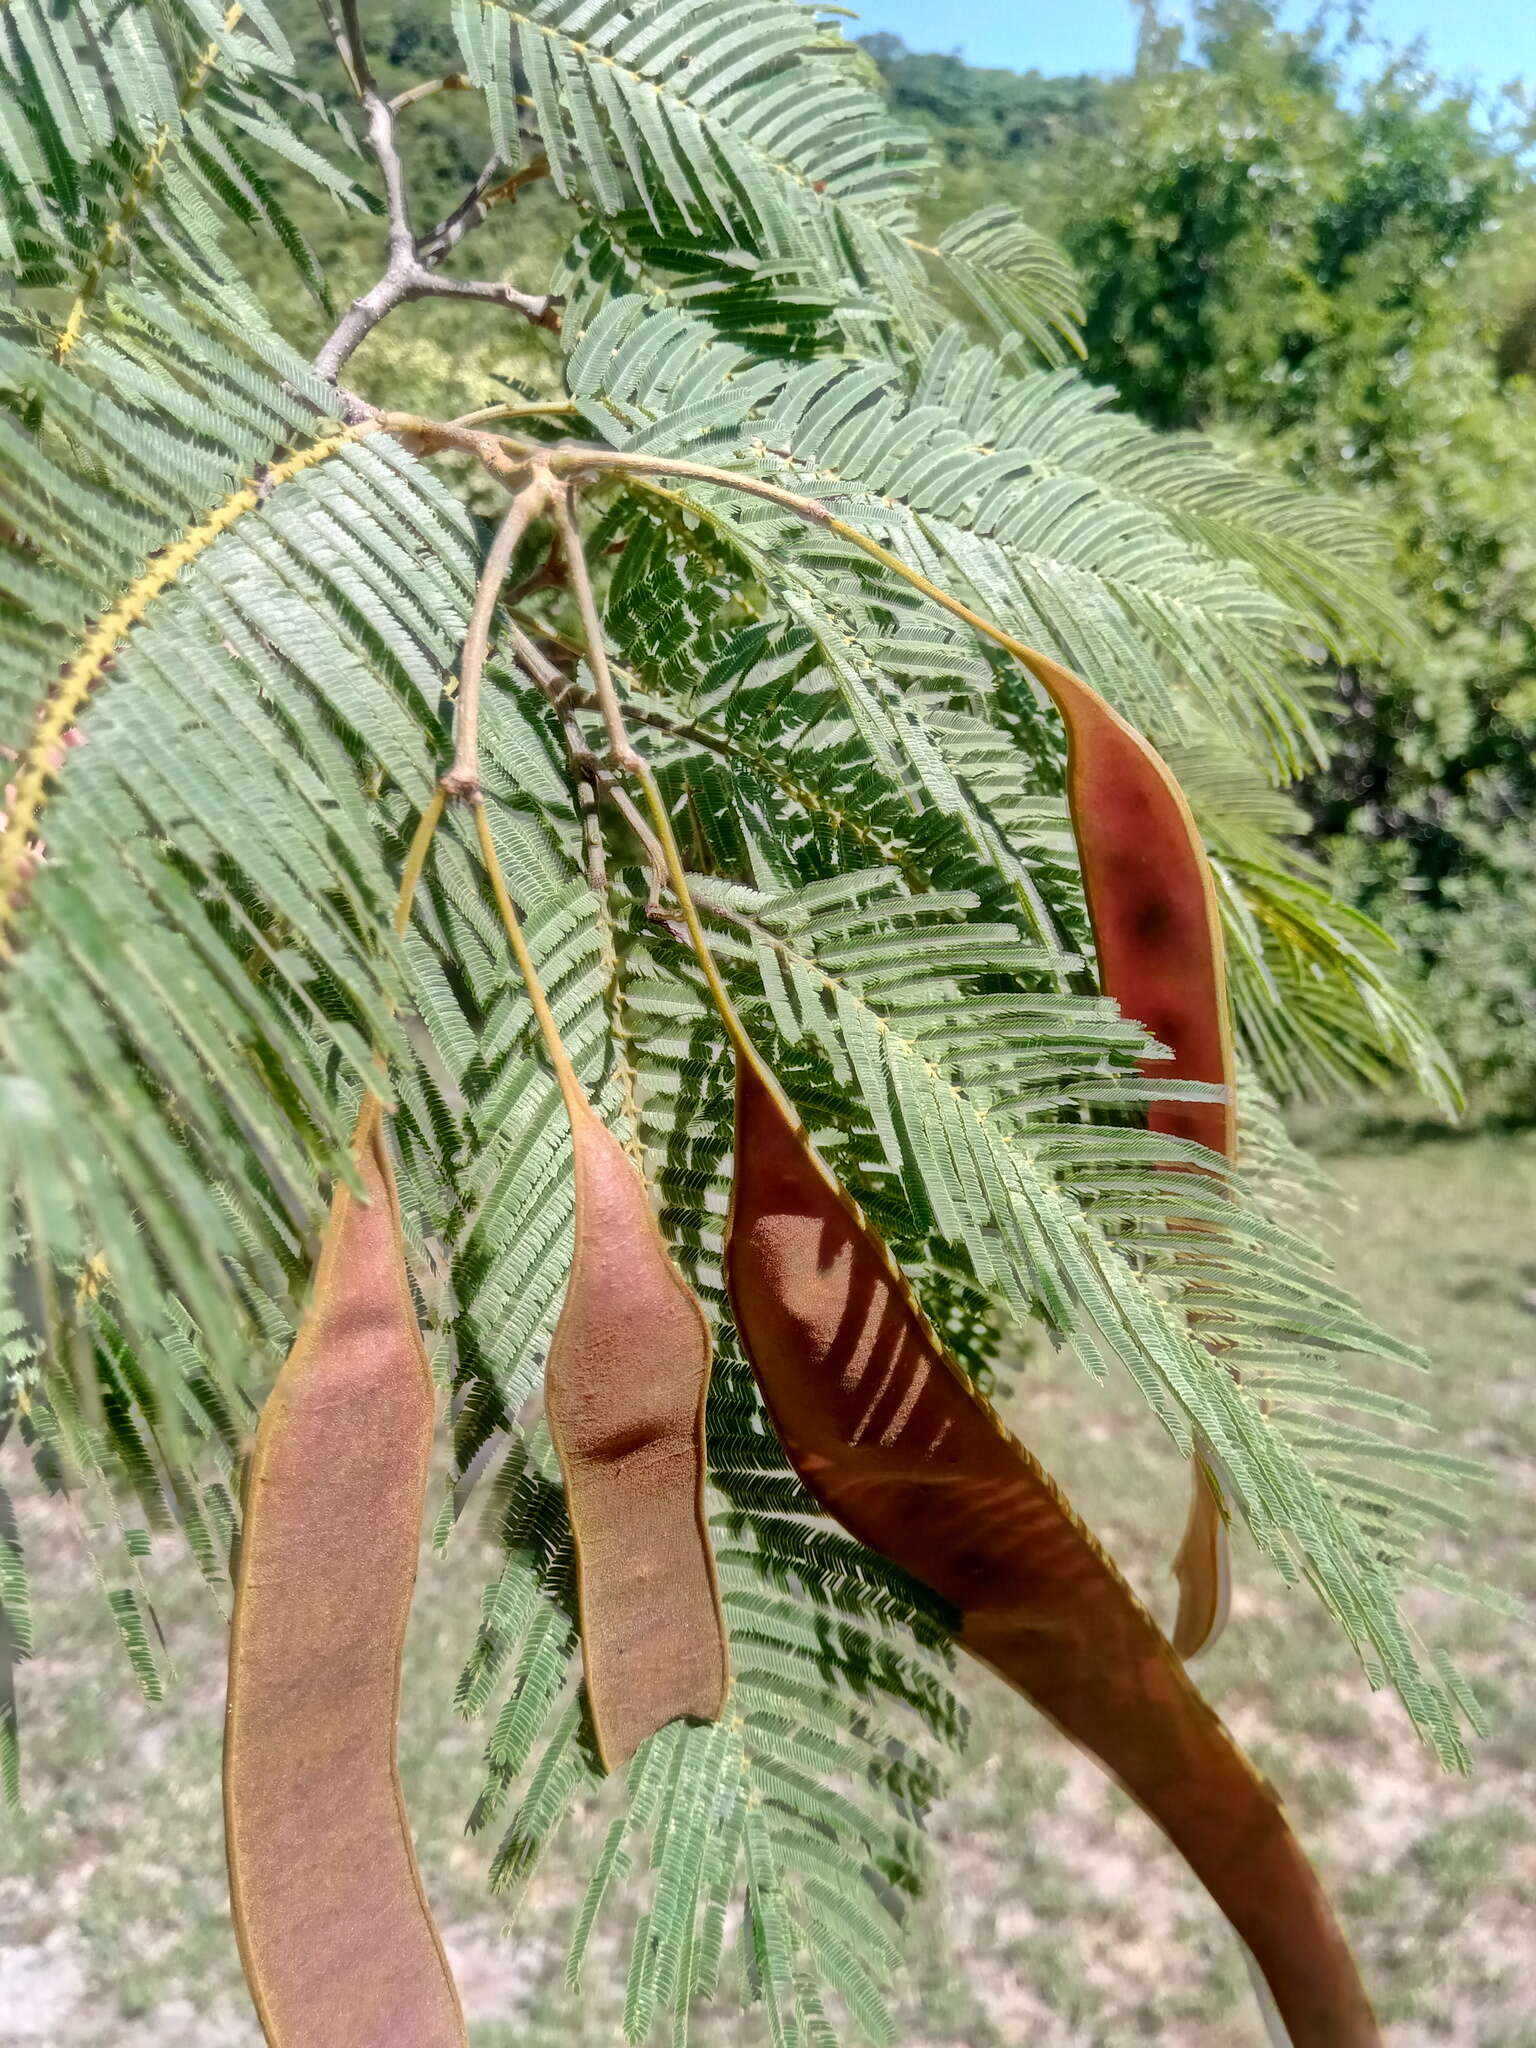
(567, 459)
(549, 1030)
(698, 938)
(416, 859)
(577, 462)
(629, 761)
(463, 777)
(572, 462)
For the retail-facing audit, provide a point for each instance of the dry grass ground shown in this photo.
(1056, 1918)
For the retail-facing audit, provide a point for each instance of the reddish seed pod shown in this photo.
(1157, 933)
(1156, 921)
(337, 1940)
(885, 1430)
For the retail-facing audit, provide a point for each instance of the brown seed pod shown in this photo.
(1157, 933)
(625, 1387)
(888, 1434)
(624, 1394)
(335, 1933)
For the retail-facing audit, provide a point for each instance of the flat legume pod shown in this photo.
(337, 1940)
(1157, 933)
(886, 1431)
(624, 1393)
(625, 1385)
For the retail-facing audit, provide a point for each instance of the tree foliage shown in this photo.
(1332, 275)
(235, 592)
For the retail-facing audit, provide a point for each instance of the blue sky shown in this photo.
(1490, 41)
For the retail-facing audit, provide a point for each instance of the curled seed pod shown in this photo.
(1202, 1565)
(888, 1434)
(625, 1387)
(336, 1937)
(624, 1393)
(1157, 932)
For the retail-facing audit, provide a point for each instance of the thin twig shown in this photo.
(512, 408)
(410, 878)
(430, 437)
(416, 859)
(409, 273)
(505, 456)
(591, 786)
(624, 755)
(563, 693)
(357, 54)
(549, 575)
(405, 282)
(561, 690)
(477, 202)
(381, 140)
(451, 81)
(630, 762)
(541, 308)
(567, 459)
(655, 858)
(463, 777)
(336, 30)
(434, 245)
(366, 311)
(672, 858)
(585, 774)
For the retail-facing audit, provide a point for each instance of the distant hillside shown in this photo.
(1000, 134)
(981, 115)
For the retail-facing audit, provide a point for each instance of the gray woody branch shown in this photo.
(410, 273)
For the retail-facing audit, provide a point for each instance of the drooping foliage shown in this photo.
(234, 598)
